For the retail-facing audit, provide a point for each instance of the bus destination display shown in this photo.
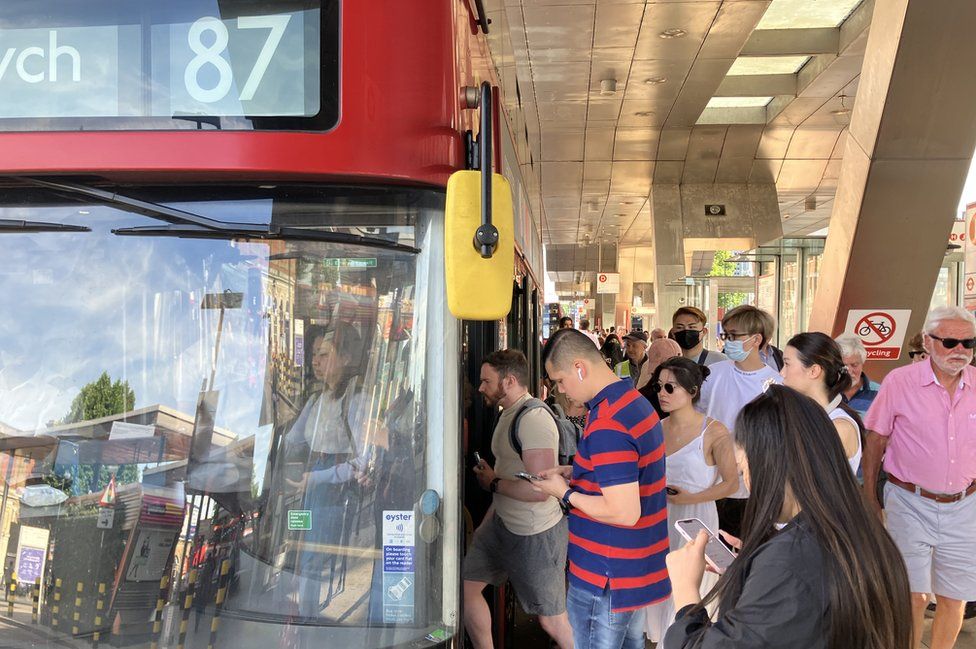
(248, 65)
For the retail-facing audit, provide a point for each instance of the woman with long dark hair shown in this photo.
(700, 464)
(330, 436)
(816, 569)
(813, 365)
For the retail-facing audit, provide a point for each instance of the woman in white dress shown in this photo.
(813, 365)
(700, 464)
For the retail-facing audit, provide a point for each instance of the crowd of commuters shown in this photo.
(778, 453)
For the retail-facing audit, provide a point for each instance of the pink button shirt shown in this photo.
(932, 437)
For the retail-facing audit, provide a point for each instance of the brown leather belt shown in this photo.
(939, 498)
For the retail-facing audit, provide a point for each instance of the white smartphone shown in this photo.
(717, 555)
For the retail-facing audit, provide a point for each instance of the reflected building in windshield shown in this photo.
(270, 466)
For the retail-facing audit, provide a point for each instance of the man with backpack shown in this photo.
(524, 535)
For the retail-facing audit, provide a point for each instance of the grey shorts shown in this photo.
(937, 541)
(536, 564)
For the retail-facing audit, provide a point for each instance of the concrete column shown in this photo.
(669, 251)
(911, 139)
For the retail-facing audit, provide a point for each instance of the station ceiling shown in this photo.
(620, 95)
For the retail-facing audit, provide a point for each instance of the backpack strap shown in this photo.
(531, 404)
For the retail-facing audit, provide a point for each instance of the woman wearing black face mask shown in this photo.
(690, 332)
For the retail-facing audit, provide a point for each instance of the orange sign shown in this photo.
(108, 497)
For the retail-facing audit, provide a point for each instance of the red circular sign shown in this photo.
(875, 328)
(603, 278)
(970, 283)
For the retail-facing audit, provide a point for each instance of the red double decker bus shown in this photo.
(224, 226)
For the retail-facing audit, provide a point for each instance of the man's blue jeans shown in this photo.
(595, 626)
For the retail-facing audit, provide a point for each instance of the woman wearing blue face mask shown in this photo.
(734, 383)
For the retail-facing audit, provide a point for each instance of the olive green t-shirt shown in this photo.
(537, 430)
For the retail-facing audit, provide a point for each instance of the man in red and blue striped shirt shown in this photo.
(618, 521)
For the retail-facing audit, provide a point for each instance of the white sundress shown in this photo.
(686, 469)
(835, 413)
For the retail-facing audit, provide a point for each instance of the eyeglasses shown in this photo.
(949, 343)
(913, 354)
(657, 386)
(731, 335)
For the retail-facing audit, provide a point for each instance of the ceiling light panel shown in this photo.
(750, 65)
(806, 14)
(738, 102)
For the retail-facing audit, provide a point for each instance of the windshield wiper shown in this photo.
(189, 225)
(136, 206)
(188, 231)
(13, 225)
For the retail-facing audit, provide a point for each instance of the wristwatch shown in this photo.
(493, 487)
(565, 498)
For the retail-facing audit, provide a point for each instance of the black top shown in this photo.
(783, 602)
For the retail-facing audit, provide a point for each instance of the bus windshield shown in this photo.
(235, 428)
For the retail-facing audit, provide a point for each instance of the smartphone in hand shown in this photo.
(477, 459)
(528, 477)
(717, 555)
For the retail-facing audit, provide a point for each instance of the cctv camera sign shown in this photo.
(881, 330)
(399, 576)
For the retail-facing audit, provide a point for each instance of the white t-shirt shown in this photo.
(592, 336)
(727, 389)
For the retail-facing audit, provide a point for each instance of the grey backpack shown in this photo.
(569, 433)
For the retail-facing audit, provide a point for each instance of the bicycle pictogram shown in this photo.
(879, 326)
(875, 328)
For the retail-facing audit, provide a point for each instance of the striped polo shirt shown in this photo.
(622, 443)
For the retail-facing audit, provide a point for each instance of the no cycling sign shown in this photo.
(881, 330)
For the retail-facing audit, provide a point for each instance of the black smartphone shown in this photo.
(671, 491)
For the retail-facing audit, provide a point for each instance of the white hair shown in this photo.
(851, 345)
(948, 313)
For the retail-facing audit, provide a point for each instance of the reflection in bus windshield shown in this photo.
(211, 429)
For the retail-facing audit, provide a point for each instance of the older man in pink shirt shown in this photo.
(923, 422)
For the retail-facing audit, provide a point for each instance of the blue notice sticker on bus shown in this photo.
(399, 546)
(397, 558)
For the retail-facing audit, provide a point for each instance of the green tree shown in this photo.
(723, 266)
(101, 398)
(124, 474)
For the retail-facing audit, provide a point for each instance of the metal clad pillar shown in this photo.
(911, 140)
(669, 252)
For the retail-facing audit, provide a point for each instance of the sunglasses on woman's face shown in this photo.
(657, 386)
(949, 343)
(913, 354)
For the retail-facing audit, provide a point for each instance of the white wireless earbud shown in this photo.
(579, 373)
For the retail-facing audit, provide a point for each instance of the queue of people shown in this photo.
(777, 453)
